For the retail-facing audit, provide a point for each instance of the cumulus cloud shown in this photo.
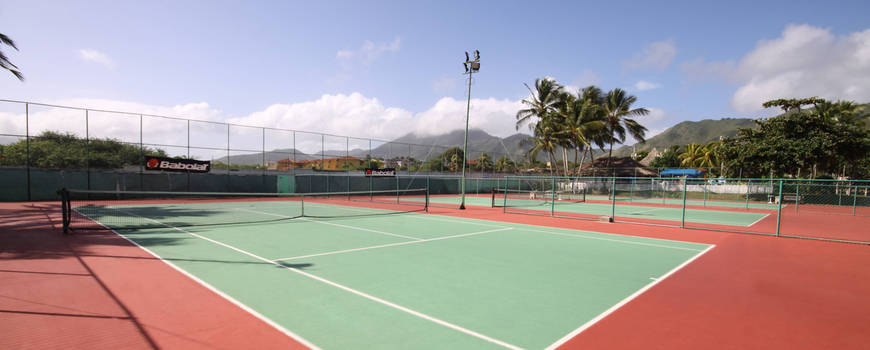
(804, 61)
(657, 55)
(368, 52)
(91, 55)
(643, 85)
(353, 115)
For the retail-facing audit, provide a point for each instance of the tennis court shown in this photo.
(520, 203)
(334, 273)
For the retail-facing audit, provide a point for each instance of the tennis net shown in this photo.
(123, 210)
(509, 197)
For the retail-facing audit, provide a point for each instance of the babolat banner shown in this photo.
(173, 164)
(381, 172)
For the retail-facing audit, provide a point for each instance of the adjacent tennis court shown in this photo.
(335, 273)
(521, 203)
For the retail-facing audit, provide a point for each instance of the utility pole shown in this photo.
(471, 66)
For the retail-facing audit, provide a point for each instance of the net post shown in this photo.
(631, 190)
(302, 198)
(427, 200)
(683, 215)
(504, 200)
(779, 209)
(854, 199)
(64, 208)
(397, 188)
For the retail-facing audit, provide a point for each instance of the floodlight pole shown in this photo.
(471, 65)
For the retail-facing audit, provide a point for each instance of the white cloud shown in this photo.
(645, 85)
(657, 55)
(368, 52)
(804, 61)
(91, 55)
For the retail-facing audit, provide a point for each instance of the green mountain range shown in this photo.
(514, 147)
(687, 132)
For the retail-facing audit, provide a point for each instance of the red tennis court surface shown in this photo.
(96, 290)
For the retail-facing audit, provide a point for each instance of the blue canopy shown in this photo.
(682, 172)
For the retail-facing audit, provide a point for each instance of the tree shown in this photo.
(619, 119)
(582, 120)
(454, 157)
(64, 151)
(823, 139)
(792, 104)
(542, 104)
(669, 158)
(4, 61)
(504, 165)
(640, 155)
(693, 155)
(544, 140)
(484, 162)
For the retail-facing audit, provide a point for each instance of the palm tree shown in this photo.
(455, 162)
(4, 61)
(545, 140)
(504, 164)
(484, 162)
(583, 120)
(542, 104)
(710, 154)
(693, 155)
(619, 119)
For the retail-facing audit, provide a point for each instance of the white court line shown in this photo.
(615, 240)
(208, 286)
(333, 224)
(629, 298)
(756, 221)
(346, 288)
(439, 218)
(393, 244)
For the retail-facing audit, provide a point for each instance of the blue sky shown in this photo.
(382, 69)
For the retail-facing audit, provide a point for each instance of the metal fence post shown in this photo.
(748, 186)
(27, 143)
(854, 199)
(87, 150)
(705, 193)
(797, 194)
(779, 209)
(613, 199)
(552, 196)
(141, 158)
(683, 216)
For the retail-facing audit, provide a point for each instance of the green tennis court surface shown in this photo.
(695, 202)
(405, 280)
(705, 216)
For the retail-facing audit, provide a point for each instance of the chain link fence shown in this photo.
(835, 210)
